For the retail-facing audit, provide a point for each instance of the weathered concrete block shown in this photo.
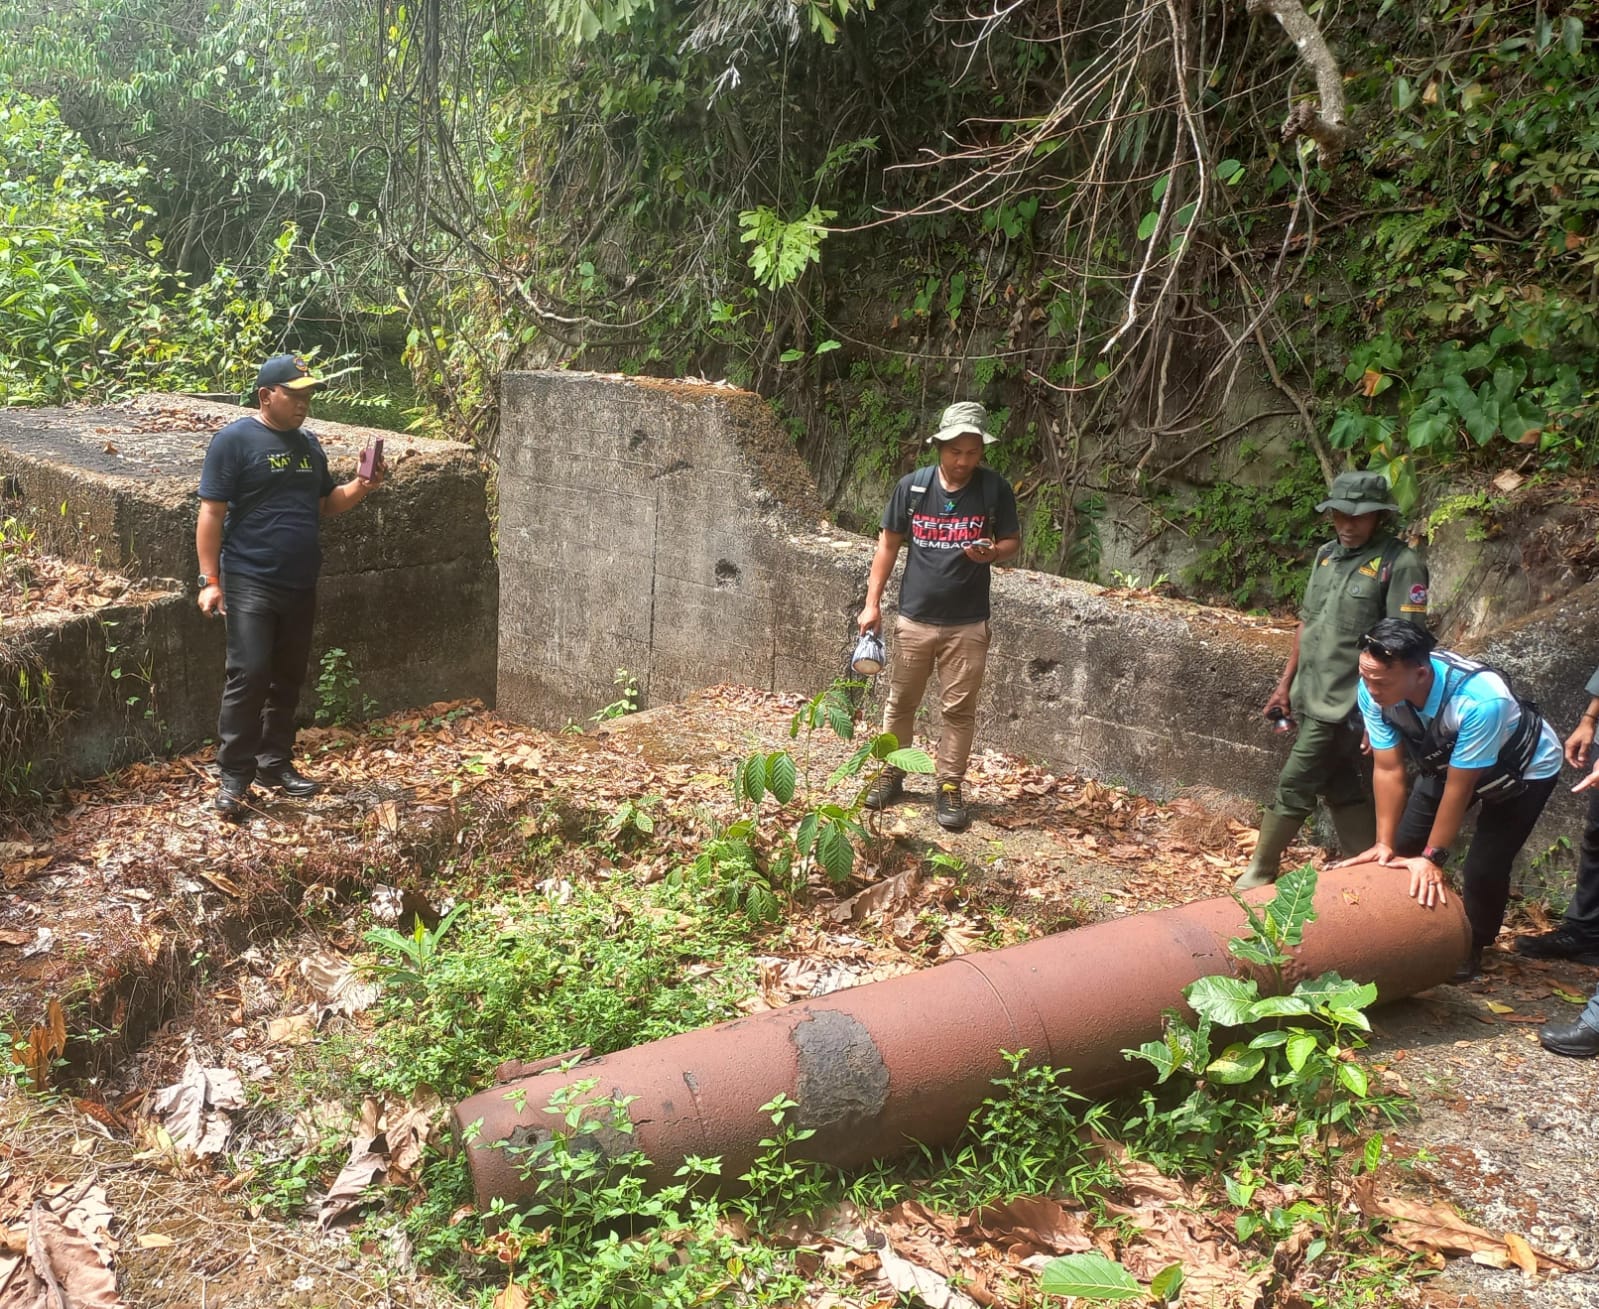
(671, 530)
(409, 583)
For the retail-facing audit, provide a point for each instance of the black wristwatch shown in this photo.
(1437, 854)
(205, 581)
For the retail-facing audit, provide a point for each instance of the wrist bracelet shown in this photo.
(1589, 718)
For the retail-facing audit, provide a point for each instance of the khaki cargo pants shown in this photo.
(960, 654)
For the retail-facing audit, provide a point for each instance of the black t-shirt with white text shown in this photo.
(279, 479)
(941, 585)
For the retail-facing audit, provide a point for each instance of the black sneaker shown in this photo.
(889, 787)
(232, 801)
(951, 809)
(288, 780)
(1471, 970)
(1562, 943)
(1576, 1040)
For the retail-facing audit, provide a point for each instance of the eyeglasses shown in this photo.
(1368, 646)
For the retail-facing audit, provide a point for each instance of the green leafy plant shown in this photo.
(632, 821)
(1288, 1087)
(679, 1248)
(416, 951)
(780, 1184)
(540, 973)
(822, 833)
(781, 250)
(626, 702)
(339, 698)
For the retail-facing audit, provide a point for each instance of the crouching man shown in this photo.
(1473, 742)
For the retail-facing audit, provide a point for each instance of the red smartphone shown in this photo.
(371, 457)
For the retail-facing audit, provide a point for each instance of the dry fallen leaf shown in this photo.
(154, 1241)
(512, 1297)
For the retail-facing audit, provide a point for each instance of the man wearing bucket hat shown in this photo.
(1364, 574)
(956, 519)
(264, 487)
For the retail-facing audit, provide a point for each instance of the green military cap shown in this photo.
(1359, 493)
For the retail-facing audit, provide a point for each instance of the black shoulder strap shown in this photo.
(987, 483)
(990, 488)
(921, 483)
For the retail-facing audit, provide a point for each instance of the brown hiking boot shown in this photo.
(889, 787)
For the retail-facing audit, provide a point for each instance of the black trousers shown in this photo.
(1582, 914)
(1503, 827)
(269, 648)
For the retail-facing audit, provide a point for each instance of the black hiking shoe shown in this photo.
(1562, 943)
(232, 800)
(290, 781)
(889, 787)
(1471, 970)
(951, 809)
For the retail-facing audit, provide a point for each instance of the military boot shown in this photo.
(1277, 833)
(1355, 826)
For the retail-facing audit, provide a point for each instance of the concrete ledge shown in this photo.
(669, 529)
(409, 589)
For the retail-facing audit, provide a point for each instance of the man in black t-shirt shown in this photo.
(958, 519)
(264, 488)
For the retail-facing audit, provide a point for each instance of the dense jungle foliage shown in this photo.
(1086, 215)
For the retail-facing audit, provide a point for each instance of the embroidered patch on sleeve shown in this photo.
(1416, 603)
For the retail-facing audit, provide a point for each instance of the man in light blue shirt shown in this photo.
(1473, 743)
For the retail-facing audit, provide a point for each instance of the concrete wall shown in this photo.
(409, 588)
(84, 695)
(670, 530)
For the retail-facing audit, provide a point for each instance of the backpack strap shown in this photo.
(921, 483)
(987, 484)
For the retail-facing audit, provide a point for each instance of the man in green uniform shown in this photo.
(1365, 574)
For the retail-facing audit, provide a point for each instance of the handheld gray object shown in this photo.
(869, 656)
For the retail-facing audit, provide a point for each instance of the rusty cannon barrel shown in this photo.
(876, 1068)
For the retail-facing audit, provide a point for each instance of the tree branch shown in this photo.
(1326, 127)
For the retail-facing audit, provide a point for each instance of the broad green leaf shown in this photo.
(1278, 1006)
(781, 775)
(1237, 1063)
(1354, 1077)
(1269, 1040)
(1294, 904)
(1146, 225)
(1372, 1155)
(1090, 1275)
(912, 761)
(1301, 1045)
(1230, 171)
(1163, 1056)
(1226, 1001)
(834, 852)
(1254, 952)
(749, 781)
(1168, 1283)
(805, 834)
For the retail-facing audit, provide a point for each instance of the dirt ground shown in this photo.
(169, 934)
